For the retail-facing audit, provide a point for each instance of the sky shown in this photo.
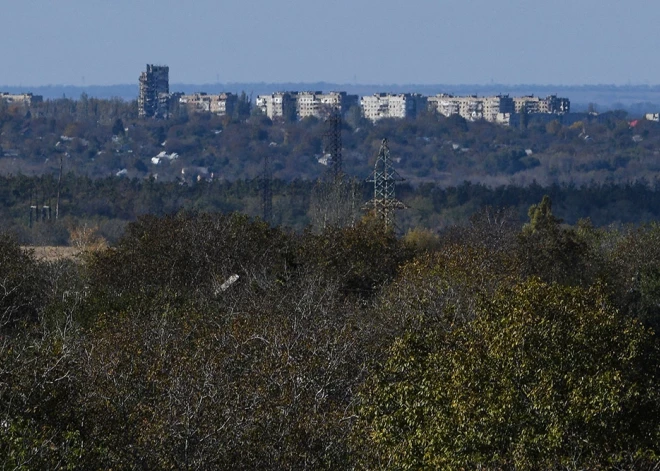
(106, 42)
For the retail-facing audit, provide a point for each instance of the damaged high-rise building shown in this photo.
(154, 96)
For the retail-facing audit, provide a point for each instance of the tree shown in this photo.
(545, 377)
(242, 108)
(361, 258)
(118, 127)
(541, 217)
(335, 202)
(635, 256)
(552, 252)
(524, 118)
(187, 256)
(22, 286)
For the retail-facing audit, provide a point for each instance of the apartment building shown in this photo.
(497, 105)
(472, 107)
(222, 104)
(319, 104)
(387, 105)
(24, 99)
(304, 104)
(533, 104)
(496, 108)
(444, 104)
(278, 105)
(154, 92)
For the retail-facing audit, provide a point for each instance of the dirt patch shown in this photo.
(54, 253)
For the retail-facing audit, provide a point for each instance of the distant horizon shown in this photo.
(369, 84)
(637, 99)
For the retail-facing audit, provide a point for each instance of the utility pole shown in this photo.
(31, 208)
(59, 186)
(267, 190)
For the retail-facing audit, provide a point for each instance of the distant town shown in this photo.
(156, 101)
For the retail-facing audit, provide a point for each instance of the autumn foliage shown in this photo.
(211, 341)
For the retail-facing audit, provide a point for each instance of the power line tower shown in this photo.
(384, 178)
(334, 199)
(59, 186)
(267, 190)
(333, 144)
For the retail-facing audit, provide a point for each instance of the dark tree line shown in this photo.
(109, 204)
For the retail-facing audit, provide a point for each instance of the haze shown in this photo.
(94, 42)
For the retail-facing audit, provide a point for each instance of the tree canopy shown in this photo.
(544, 377)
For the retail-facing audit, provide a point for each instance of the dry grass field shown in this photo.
(54, 253)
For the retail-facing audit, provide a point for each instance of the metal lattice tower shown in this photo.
(267, 191)
(384, 179)
(333, 143)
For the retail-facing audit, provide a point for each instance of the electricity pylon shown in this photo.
(384, 177)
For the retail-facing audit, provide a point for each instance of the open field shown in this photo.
(51, 253)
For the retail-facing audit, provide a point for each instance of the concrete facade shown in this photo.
(304, 104)
(319, 104)
(496, 108)
(387, 105)
(551, 104)
(496, 105)
(277, 104)
(472, 107)
(154, 92)
(24, 99)
(222, 104)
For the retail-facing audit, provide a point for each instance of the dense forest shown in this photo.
(106, 205)
(509, 321)
(210, 341)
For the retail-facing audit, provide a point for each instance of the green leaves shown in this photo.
(544, 376)
(140, 358)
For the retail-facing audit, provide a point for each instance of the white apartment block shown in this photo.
(446, 105)
(534, 104)
(493, 106)
(25, 99)
(496, 108)
(471, 107)
(387, 105)
(276, 104)
(316, 104)
(221, 104)
(319, 104)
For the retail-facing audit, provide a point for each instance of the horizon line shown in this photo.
(349, 84)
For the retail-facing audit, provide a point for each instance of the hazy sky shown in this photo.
(102, 42)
